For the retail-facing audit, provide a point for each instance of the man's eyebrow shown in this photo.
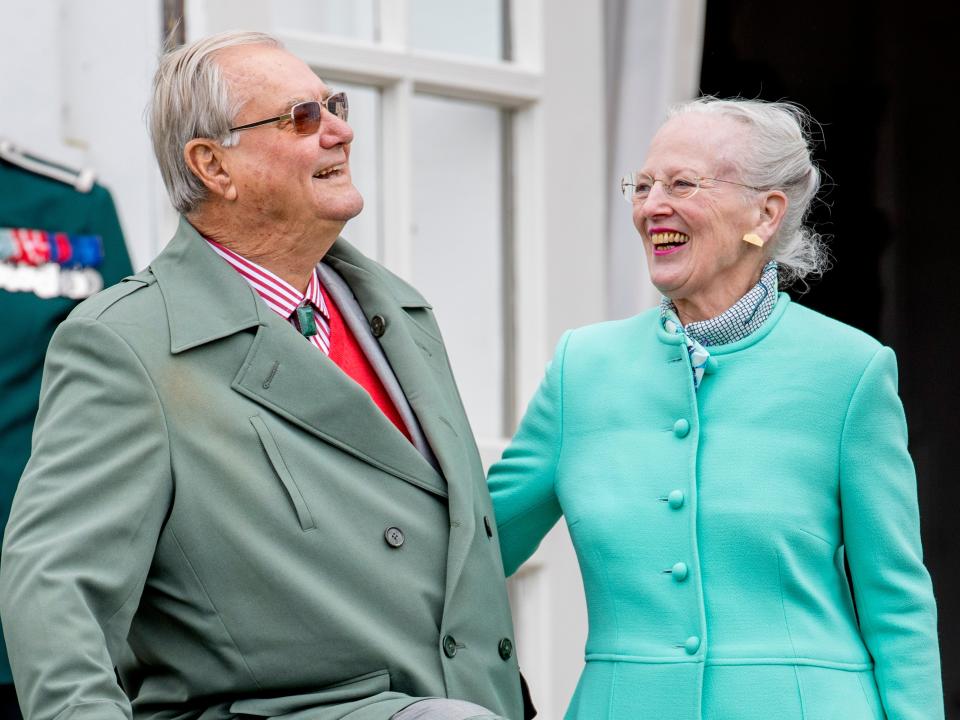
(290, 102)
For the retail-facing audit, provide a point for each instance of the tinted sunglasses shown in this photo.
(306, 116)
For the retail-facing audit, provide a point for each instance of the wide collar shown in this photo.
(205, 298)
(207, 301)
(783, 301)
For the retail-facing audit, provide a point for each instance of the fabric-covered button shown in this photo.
(679, 571)
(393, 536)
(681, 428)
(675, 499)
(505, 648)
(449, 646)
(691, 645)
(378, 324)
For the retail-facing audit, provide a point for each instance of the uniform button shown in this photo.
(691, 645)
(679, 571)
(377, 325)
(675, 499)
(505, 648)
(449, 646)
(681, 428)
(487, 526)
(393, 536)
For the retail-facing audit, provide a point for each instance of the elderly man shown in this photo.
(253, 490)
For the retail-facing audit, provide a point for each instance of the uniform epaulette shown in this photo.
(81, 180)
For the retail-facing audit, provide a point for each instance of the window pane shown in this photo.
(464, 27)
(458, 244)
(347, 18)
(364, 230)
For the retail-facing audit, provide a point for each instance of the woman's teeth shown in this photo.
(669, 240)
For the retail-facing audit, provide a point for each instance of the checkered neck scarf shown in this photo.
(735, 323)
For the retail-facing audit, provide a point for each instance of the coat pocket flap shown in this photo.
(280, 468)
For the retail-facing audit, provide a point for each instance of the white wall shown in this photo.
(653, 60)
(74, 83)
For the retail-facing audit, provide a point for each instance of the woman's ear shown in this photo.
(205, 158)
(771, 214)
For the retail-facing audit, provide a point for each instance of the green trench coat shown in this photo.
(207, 508)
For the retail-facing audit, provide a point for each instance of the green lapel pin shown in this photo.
(305, 320)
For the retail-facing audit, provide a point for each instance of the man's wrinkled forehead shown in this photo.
(266, 73)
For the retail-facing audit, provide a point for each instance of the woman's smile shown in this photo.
(667, 243)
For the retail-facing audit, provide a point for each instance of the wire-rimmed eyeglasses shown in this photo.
(306, 116)
(636, 186)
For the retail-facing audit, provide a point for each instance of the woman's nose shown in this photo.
(657, 202)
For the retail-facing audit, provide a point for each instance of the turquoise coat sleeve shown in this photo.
(522, 483)
(881, 528)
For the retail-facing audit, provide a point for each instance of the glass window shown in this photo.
(458, 244)
(347, 18)
(363, 231)
(465, 27)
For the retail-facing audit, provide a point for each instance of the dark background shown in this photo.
(880, 80)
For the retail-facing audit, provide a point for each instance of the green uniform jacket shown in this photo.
(711, 526)
(31, 201)
(207, 508)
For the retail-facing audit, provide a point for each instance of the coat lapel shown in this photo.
(207, 300)
(420, 364)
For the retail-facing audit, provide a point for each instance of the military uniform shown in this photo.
(57, 246)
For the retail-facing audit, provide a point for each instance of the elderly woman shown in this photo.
(723, 459)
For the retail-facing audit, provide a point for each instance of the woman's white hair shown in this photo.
(192, 99)
(776, 156)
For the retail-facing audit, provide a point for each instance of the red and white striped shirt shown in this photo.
(284, 299)
(279, 295)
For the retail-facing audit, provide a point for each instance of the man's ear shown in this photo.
(205, 158)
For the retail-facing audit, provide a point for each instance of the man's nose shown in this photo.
(334, 131)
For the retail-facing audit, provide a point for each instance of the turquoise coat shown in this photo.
(712, 528)
(217, 510)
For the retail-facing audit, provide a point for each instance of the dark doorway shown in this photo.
(879, 77)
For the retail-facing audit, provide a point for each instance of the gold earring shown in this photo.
(753, 239)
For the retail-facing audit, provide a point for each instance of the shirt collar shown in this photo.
(738, 321)
(279, 295)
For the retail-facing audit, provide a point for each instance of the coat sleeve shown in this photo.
(522, 482)
(84, 525)
(881, 528)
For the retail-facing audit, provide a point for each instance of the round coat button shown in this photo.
(505, 648)
(449, 646)
(675, 499)
(393, 536)
(487, 526)
(378, 324)
(691, 645)
(681, 428)
(679, 571)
